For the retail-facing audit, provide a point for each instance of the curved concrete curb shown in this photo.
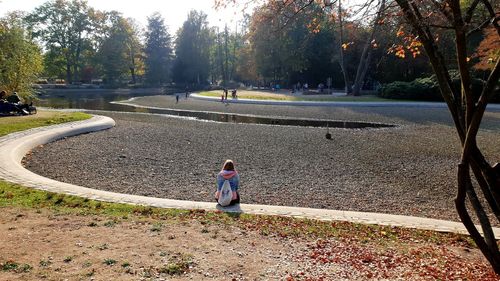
(337, 103)
(14, 147)
(325, 103)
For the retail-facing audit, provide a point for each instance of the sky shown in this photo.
(173, 11)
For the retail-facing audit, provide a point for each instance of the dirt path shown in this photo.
(43, 245)
(79, 247)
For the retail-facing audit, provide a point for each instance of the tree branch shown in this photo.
(463, 170)
(470, 11)
(487, 191)
(438, 65)
(492, 14)
(461, 49)
(443, 10)
(487, 93)
(441, 26)
(480, 27)
(489, 236)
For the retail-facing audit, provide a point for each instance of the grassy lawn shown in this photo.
(16, 196)
(11, 124)
(261, 95)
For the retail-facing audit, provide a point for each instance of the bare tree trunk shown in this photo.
(132, 75)
(226, 55)
(76, 62)
(233, 64)
(68, 72)
(365, 59)
(347, 83)
(131, 55)
(221, 60)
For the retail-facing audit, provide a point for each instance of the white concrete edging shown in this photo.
(14, 147)
(406, 104)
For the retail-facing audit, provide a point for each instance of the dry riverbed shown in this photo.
(407, 170)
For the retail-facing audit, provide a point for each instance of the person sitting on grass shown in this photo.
(231, 175)
(15, 104)
(14, 99)
(3, 94)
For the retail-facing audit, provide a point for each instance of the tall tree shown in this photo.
(288, 47)
(119, 50)
(20, 57)
(245, 68)
(64, 26)
(158, 51)
(192, 63)
(224, 52)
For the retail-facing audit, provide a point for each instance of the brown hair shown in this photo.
(228, 165)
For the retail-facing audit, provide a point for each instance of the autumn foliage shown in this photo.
(488, 51)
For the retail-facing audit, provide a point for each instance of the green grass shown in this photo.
(257, 95)
(12, 195)
(13, 124)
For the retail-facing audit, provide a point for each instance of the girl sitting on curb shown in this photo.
(231, 175)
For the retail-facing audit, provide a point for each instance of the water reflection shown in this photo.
(92, 99)
(102, 100)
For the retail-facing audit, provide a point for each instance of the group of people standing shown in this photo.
(177, 96)
(300, 87)
(225, 93)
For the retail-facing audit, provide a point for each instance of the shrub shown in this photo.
(427, 89)
(419, 89)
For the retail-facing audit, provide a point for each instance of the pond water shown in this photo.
(105, 100)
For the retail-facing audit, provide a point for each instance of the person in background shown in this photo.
(2, 96)
(14, 98)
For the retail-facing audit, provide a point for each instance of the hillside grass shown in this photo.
(11, 124)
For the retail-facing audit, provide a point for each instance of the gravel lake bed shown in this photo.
(408, 170)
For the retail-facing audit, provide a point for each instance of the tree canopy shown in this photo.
(192, 51)
(64, 27)
(158, 51)
(20, 57)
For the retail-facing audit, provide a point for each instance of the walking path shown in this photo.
(336, 103)
(15, 146)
